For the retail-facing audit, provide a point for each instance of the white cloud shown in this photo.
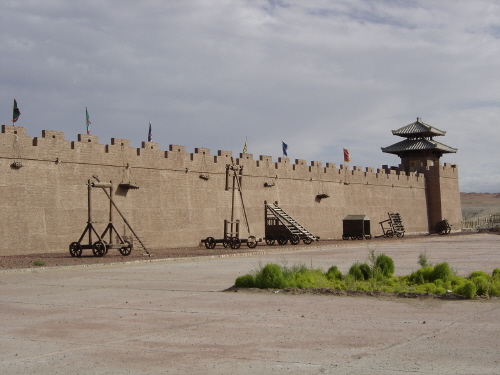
(320, 75)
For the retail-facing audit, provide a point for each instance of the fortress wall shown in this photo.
(449, 194)
(443, 195)
(44, 203)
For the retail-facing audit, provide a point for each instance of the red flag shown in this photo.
(347, 157)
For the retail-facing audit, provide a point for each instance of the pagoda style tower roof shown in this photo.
(418, 141)
(418, 129)
(421, 144)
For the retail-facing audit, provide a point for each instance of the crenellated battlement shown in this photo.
(448, 170)
(119, 153)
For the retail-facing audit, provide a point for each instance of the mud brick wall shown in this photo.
(44, 201)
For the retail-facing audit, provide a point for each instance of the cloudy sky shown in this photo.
(319, 75)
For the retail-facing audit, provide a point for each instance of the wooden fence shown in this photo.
(486, 221)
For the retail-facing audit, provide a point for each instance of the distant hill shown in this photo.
(479, 204)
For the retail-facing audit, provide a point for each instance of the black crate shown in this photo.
(356, 227)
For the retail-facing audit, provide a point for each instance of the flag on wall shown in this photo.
(285, 148)
(15, 112)
(245, 146)
(88, 120)
(347, 157)
(150, 134)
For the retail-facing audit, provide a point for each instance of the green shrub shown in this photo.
(385, 264)
(478, 274)
(246, 281)
(495, 288)
(39, 263)
(483, 285)
(440, 290)
(349, 281)
(271, 276)
(362, 287)
(468, 290)
(366, 270)
(427, 288)
(435, 280)
(398, 285)
(333, 273)
(439, 283)
(356, 272)
(303, 280)
(442, 271)
(422, 275)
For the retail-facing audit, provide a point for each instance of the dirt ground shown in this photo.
(114, 257)
(42, 261)
(180, 316)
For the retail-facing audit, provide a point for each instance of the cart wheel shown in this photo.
(282, 240)
(270, 240)
(295, 240)
(448, 230)
(126, 250)
(368, 236)
(400, 234)
(252, 242)
(307, 241)
(345, 237)
(99, 249)
(353, 237)
(75, 249)
(389, 234)
(359, 237)
(210, 243)
(235, 243)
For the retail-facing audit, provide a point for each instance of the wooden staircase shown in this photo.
(274, 211)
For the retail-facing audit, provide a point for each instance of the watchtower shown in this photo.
(419, 149)
(420, 153)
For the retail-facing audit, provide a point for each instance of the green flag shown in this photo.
(88, 120)
(15, 112)
(245, 146)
